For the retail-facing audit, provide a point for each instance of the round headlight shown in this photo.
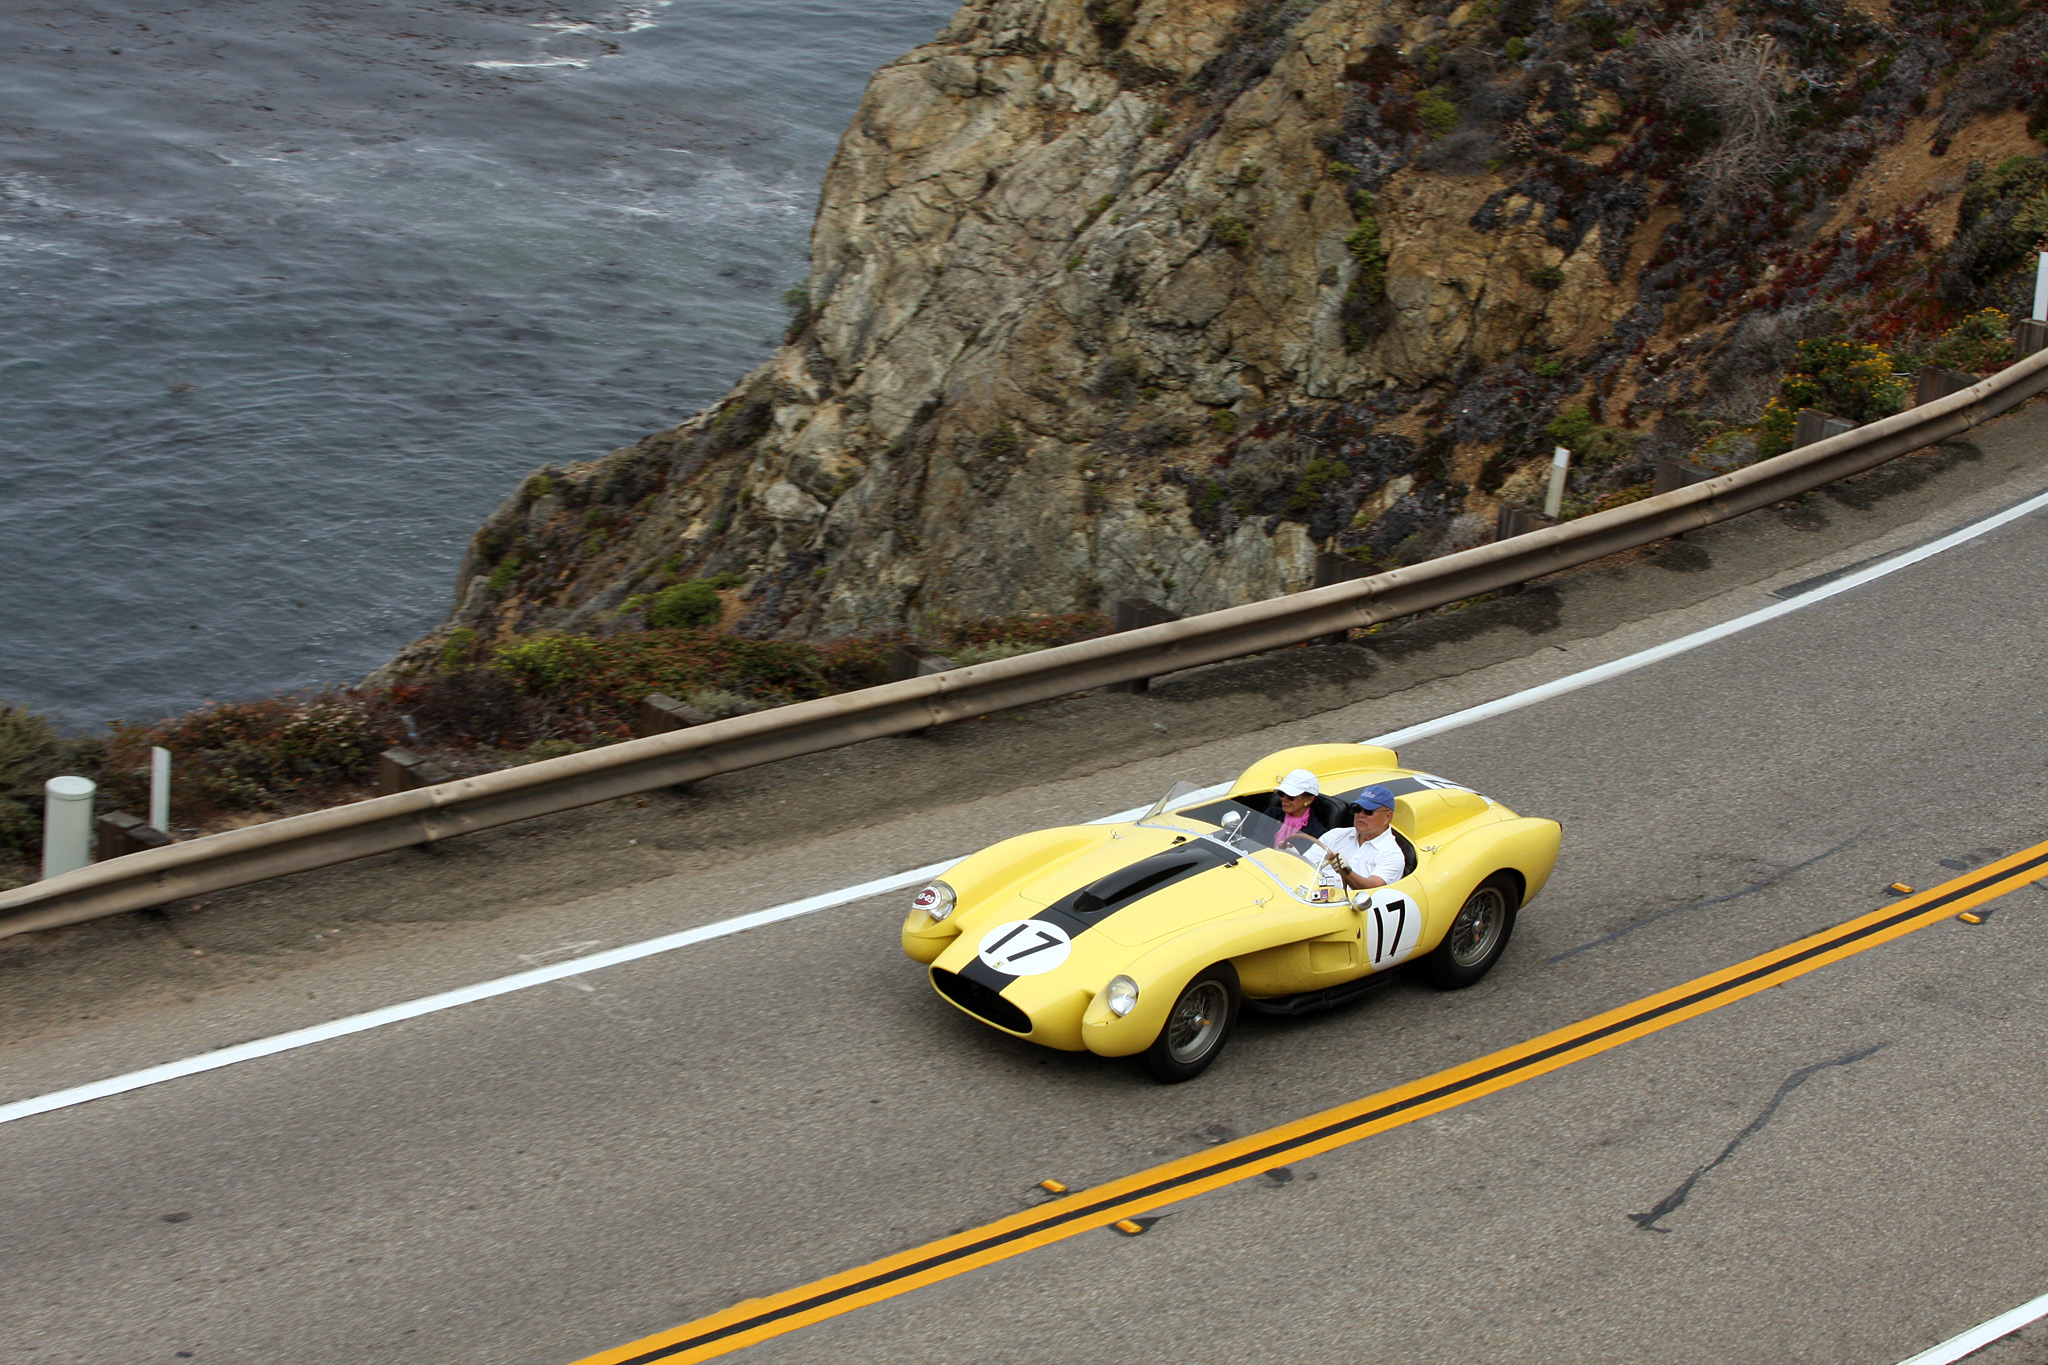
(936, 900)
(1122, 993)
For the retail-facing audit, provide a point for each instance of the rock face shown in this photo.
(1163, 298)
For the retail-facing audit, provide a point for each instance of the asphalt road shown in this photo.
(1847, 1168)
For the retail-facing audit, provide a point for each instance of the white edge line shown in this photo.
(1685, 643)
(2004, 1325)
(809, 905)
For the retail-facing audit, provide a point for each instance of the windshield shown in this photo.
(1295, 865)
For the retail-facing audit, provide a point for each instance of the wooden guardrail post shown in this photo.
(118, 833)
(1673, 474)
(401, 770)
(1135, 613)
(2032, 336)
(658, 713)
(1936, 383)
(916, 661)
(1815, 425)
(1513, 519)
(1337, 569)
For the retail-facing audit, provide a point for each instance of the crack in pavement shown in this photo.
(1749, 890)
(1669, 1203)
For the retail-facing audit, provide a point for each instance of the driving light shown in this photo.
(1122, 995)
(936, 900)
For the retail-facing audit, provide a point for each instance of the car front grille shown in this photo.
(981, 1002)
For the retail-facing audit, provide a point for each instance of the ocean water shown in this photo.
(292, 293)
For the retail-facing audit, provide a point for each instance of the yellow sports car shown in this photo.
(1146, 937)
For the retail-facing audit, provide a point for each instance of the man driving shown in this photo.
(1366, 854)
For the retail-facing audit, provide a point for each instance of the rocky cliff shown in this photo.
(1163, 297)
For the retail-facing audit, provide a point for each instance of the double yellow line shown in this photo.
(756, 1320)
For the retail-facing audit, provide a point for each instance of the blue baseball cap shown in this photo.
(1373, 798)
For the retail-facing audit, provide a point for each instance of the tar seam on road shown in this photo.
(756, 1320)
(1671, 1202)
(486, 990)
(1656, 915)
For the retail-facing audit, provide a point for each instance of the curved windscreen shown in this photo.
(1295, 866)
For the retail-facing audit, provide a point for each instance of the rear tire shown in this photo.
(1477, 937)
(1197, 1026)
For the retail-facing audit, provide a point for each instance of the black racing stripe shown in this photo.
(1058, 1214)
(981, 974)
(1079, 911)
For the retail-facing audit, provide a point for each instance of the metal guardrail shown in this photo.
(301, 843)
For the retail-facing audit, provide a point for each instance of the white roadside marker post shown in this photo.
(67, 824)
(1560, 465)
(160, 790)
(2041, 287)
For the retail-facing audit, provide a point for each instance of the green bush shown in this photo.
(2003, 213)
(1982, 341)
(1546, 277)
(1437, 111)
(547, 661)
(1836, 375)
(1593, 446)
(252, 755)
(1230, 230)
(686, 606)
(1369, 284)
(30, 755)
(457, 646)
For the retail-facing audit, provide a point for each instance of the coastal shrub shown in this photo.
(1316, 480)
(1847, 378)
(1112, 20)
(457, 647)
(469, 706)
(1982, 341)
(253, 755)
(1593, 447)
(547, 661)
(2002, 217)
(1230, 230)
(1546, 277)
(1364, 301)
(685, 606)
(599, 681)
(1021, 633)
(30, 754)
(1437, 112)
(505, 575)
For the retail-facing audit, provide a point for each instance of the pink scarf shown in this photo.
(1290, 825)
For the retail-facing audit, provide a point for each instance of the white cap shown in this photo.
(1300, 782)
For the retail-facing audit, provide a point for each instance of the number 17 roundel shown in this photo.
(1024, 947)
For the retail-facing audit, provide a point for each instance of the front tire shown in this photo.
(1196, 1027)
(1477, 937)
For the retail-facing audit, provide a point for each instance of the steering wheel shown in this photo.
(1318, 854)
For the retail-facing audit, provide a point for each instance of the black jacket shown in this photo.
(1315, 826)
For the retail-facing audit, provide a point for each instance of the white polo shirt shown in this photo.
(1380, 857)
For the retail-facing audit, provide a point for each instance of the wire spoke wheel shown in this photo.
(1478, 926)
(1197, 1018)
(1478, 934)
(1196, 1027)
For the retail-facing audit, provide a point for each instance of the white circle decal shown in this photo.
(1025, 947)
